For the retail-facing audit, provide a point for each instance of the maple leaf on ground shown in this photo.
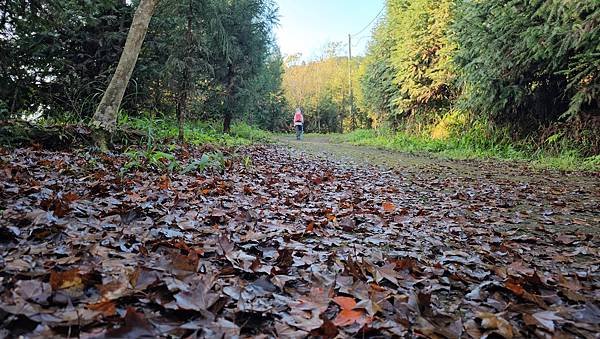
(427, 268)
(519, 268)
(141, 278)
(373, 304)
(106, 308)
(318, 300)
(188, 262)
(34, 290)
(198, 297)
(346, 303)
(589, 313)
(571, 284)
(348, 315)
(304, 320)
(286, 331)
(386, 272)
(310, 227)
(164, 182)
(66, 279)
(388, 207)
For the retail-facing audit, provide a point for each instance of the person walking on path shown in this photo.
(299, 124)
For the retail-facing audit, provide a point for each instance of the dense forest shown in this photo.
(201, 59)
(524, 70)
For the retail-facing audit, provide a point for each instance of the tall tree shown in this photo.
(247, 26)
(105, 116)
(377, 86)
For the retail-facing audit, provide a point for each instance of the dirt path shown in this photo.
(573, 198)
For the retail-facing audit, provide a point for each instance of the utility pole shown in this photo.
(350, 82)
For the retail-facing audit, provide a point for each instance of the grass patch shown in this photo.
(474, 145)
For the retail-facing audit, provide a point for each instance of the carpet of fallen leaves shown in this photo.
(290, 245)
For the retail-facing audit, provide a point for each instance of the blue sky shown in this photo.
(305, 26)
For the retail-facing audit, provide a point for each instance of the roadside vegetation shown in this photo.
(554, 153)
(501, 79)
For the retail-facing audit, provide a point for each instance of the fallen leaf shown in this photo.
(490, 321)
(388, 206)
(66, 279)
(136, 326)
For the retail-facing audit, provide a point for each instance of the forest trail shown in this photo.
(579, 192)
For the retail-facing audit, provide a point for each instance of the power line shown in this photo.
(372, 21)
(359, 39)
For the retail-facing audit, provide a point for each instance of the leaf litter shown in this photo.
(295, 245)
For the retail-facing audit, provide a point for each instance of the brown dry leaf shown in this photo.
(164, 182)
(386, 272)
(520, 268)
(286, 331)
(317, 300)
(348, 315)
(113, 290)
(346, 303)
(304, 320)
(146, 239)
(571, 284)
(70, 197)
(106, 308)
(547, 319)
(66, 279)
(188, 262)
(472, 329)
(514, 287)
(34, 290)
(495, 322)
(136, 326)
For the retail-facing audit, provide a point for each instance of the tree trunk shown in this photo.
(186, 76)
(105, 117)
(227, 121)
(228, 115)
(181, 112)
(13, 106)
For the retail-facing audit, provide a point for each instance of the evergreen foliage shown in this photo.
(205, 59)
(529, 61)
(529, 66)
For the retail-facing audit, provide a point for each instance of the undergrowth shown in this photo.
(159, 144)
(195, 132)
